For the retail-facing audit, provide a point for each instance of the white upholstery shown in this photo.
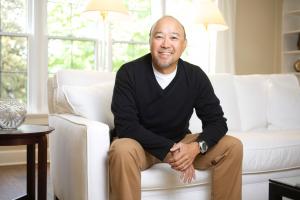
(226, 92)
(78, 150)
(284, 98)
(92, 102)
(252, 101)
(253, 105)
(265, 151)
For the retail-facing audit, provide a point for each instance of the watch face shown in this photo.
(203, 146)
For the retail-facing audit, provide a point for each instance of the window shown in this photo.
(40, 37)
(130, 36)
(13, 49)
(71, 37)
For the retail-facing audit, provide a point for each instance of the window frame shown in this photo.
(37, 63)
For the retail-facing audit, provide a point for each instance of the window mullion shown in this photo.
(37, 67)
(71, 38)
(128, 42)
(14, 34)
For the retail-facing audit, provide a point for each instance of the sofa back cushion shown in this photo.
(92, 102)
(223, 85)
(283, 103)
(74, 78)
(249, 101)
(251, 93)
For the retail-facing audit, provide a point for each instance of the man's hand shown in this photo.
(183, 155)
(188, 175)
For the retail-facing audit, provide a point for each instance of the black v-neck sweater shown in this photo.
(157, 118)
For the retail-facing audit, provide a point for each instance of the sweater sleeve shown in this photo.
(126, 117)
(209, 110)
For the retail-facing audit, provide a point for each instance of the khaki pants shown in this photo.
(127, 159)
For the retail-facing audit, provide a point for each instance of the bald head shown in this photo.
(167, 18)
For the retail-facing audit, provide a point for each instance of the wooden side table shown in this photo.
(30, 135)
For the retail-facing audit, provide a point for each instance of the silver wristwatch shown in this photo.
(203, 147)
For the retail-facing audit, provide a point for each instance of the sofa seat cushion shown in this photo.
(162, 176)
(267, 151)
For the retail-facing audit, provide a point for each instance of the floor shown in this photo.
(13, 182)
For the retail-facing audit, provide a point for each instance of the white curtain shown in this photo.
(225, 43)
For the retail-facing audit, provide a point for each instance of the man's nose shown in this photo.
(165, 43)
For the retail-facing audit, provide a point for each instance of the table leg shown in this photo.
(31, 171)
(42, 168)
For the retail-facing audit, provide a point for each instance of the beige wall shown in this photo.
(258, 31)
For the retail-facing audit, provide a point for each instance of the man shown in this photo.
(153, 100)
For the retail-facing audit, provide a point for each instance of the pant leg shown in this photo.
(127, 159)
(225, 161)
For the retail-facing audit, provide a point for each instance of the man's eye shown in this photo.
(174, 38)
(158, 37)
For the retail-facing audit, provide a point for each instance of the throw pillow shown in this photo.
(92, 102)
(283, 107)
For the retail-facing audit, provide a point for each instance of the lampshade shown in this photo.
(210, 16)
(105, 6)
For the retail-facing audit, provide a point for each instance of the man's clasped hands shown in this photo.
(181, 158)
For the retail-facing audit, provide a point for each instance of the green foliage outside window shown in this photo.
(70, 54)
(13, 49)
(135, 30)
(127, 52)
(66, 26)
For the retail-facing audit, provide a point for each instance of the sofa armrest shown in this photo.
(78, 156)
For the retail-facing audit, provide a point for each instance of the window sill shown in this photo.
(40, 119)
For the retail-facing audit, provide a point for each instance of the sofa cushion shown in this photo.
(251, 93)
(267, 151)
(288, 80)
(283, 107)
(195, 124)
(223, 85)
(75, 78)
(224, 88)
(162, 176)
(92, 102)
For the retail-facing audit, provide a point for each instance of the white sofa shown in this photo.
(262, 110)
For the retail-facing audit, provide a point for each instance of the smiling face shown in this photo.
(167, 42)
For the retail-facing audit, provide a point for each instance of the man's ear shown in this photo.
(185, 44)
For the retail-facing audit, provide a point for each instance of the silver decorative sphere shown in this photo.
(12, 113)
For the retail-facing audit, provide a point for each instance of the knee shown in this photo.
(236, 147)
(124, 148)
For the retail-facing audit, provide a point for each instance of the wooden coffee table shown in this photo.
(30, 135)
(284, 187)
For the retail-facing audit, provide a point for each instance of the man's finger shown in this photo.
(176, 147)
